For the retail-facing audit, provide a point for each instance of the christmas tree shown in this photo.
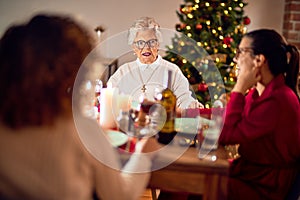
(208, 35)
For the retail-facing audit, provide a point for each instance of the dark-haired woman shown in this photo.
(263, 116)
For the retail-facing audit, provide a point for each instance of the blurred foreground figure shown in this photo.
(41, 155)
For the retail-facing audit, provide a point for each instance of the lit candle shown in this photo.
(107, 119)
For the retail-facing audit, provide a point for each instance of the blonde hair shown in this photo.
(144, 23)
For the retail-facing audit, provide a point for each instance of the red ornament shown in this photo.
(202, 87)
(182, 26)
(228, 41)
(247, 20)
(183, 9)
(198, 26)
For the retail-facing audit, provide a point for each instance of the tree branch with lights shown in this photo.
(217, 27)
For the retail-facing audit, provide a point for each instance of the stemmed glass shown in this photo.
(149, 118)
(156, 114)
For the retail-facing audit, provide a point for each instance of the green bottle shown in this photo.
(168, 101)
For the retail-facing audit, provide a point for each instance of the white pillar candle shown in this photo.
(107, 116)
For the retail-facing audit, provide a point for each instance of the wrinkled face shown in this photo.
(146, 46)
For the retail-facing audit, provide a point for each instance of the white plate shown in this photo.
(117, 138)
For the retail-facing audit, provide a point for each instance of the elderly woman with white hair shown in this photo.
(146, 75)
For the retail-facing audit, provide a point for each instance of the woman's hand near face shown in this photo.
(249, 75)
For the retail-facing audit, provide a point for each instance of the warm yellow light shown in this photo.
(197, 1)
(225, 46)
(223, 4)
(216, 96)
(217, 60)
(188, 27)
(230, 8)
(236, 29)
(190, 16)
(205, 44)
(184, 61)
(219, 28)
(189, 35)
(214, 84)
(231, 79)
(196, 6)
(182, 43)
(207, 4)
(214, 31)
(241, 5)
(208, 22)
(226, 12)
(199, 44)
(171, 47)
(221, 37)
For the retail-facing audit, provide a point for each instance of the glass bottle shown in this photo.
(168, 101)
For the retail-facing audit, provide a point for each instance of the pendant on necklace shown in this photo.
(143, 88)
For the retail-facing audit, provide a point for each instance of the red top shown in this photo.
(267, 127)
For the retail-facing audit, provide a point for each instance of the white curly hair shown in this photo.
(144, 23)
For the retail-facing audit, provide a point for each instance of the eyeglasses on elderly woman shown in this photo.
(140, 44)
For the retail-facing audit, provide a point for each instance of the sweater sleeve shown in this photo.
(111, 180)
(244, 124)
(129, 183)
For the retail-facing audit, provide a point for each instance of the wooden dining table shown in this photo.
(189, 174)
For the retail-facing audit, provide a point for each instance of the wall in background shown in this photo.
(116, 16)
(291, 27)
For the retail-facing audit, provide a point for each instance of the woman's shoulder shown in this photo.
(169, 64)
(120, 71)
(128, 64)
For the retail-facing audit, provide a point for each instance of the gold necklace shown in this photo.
(143, 88)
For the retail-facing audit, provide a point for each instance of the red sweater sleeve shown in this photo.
(246, 121)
